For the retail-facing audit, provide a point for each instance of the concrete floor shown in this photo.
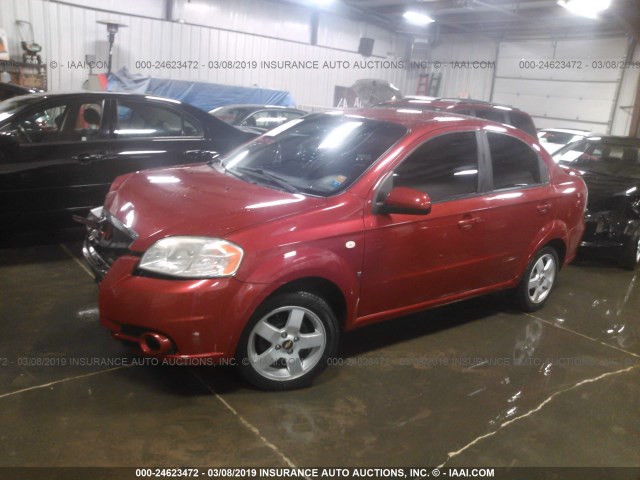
(471, 384)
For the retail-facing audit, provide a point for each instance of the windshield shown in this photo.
(319, 154)
(620, 160)
(10, 106)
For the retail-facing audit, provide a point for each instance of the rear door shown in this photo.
(153, 133)
(521, 203)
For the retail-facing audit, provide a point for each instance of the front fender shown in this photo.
(289, 264)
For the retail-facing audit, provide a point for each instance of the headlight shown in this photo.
(192, 257)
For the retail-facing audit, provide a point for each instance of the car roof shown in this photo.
(257, 106)
(613, 139)
(12, 87)
(566, 130)
(448, 103)
(420, 118)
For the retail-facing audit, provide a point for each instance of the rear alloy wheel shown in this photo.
(288, 341)
(538, 280)
(630, 258)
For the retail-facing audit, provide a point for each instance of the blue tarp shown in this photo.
(199, 94)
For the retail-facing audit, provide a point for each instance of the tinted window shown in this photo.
(67, 121)
(491, 114)
(514, 163)
(523, 122)
(444, 167)
(138, 119)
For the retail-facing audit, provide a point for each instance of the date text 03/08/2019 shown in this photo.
(314, 472)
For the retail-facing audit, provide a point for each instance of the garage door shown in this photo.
(563, 84)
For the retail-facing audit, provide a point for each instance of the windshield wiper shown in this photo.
(264, 175)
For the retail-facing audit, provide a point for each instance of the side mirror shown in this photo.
(407, 201)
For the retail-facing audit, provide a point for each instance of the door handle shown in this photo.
(544, 208)
(468, 222)
(85, 158)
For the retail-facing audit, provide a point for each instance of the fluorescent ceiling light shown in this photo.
(417, 18)
(585, 8)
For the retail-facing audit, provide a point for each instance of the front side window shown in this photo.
(140, 119)
(445, 167)
(320, 154)
(62, 122)
(513, 162)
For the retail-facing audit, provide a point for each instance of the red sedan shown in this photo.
(325, 224)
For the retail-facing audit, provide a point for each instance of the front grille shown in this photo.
(107, 239)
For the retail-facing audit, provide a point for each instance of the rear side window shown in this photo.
(513, 162)
(141, 119)
(491, 114)
(523, 122)
(445, 167)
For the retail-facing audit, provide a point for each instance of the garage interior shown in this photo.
(472, 384)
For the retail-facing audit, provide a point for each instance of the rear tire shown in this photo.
(538, 280)
(630, 258)
(288, 342)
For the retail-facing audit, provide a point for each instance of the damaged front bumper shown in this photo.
(608, 229)
(106, 240)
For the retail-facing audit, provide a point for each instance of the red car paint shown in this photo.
(398, 263)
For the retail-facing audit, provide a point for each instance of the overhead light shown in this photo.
(585, 8)
(321, 3)
(417, 18)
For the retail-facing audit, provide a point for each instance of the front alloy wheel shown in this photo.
(538, 280)
(288, 341)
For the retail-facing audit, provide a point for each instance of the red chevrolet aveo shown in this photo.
(327, 223)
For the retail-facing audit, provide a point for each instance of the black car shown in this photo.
(610, 166)
(9, 90)
(60, 152)
(260, 118)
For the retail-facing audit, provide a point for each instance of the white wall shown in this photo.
(571, 97)
(579, 96)
(454, 56)
(234, 31)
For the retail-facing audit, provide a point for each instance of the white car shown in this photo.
(553, 139)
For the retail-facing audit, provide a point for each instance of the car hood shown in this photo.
(605, 190)
(197, 201)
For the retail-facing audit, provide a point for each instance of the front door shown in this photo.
(50, 170)
(415, 259)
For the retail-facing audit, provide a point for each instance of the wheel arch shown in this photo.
(321, 287)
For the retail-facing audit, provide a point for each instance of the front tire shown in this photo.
(288, 341)
(538, 280)
(630, 258)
